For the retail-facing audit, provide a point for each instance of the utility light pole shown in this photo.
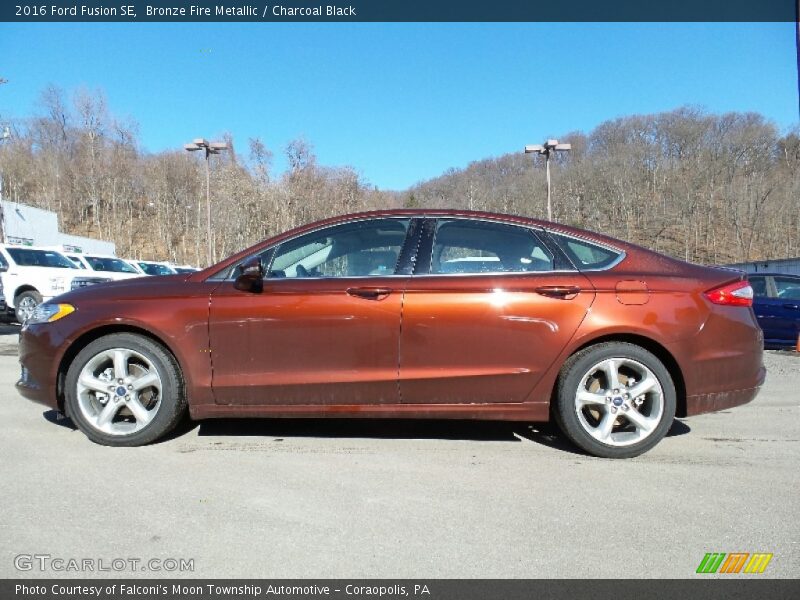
(547, 149)
(210, 148)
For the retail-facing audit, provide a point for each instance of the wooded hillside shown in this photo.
(707, 188)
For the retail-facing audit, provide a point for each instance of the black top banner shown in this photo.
(399, 10)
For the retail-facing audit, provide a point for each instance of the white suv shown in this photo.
(33, 275)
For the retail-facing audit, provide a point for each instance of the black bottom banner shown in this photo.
(384, 589)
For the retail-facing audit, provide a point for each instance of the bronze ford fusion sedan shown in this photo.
(406, 314)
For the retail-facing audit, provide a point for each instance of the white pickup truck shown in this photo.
(32, 275)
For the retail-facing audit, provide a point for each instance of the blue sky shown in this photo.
(400, 102)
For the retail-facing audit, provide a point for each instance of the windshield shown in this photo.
(116, 265)
(156, 269)
(76, 261)
(27, 257)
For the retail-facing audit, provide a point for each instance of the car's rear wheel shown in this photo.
(124, 390)
(615, 400)
(25, 304)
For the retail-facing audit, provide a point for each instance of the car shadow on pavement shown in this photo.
(546, 434)
(364, 428)
(58, 418)
(9, 329)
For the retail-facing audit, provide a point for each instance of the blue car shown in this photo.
(776, 303)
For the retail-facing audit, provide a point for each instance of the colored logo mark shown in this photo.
(734, 562)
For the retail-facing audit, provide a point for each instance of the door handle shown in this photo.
(369, 293)
(562, 292)
(794, 306)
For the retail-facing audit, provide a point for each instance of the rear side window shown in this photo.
(463, 246)
(585, 254)
(759, 285)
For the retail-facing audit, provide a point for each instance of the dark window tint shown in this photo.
(155, 269)
(463, 246)
(584, 254)
(76, 261)
(26, 257)
(787, 288)
(759, 285)
(101, 263)
(360, 249)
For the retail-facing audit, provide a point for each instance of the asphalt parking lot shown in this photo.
(402, 499)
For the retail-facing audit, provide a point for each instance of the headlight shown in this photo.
(47, 313)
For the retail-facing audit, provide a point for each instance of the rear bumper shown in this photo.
(712, 402)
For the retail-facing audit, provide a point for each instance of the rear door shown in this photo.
(763, 305)
(488, 309)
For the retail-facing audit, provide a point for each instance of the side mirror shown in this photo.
(251, 276)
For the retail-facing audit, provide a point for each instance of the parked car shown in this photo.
(357, 316)
(32, 275)
(148, 267)
(104, 267)
(776, 304)
(184, 269)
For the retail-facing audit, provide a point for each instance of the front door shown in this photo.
(325, 329)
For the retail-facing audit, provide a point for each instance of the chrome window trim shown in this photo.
(621, 253)
(299, 235)
(530, 227)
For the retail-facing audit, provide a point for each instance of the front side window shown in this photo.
(585, 254)
(462, 246)
(360, 249)
(27, 257)
(787, 288)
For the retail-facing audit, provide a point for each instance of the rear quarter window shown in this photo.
(585, 254)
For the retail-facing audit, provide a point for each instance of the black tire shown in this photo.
(28, 296)
(570, 378)
(173, 400)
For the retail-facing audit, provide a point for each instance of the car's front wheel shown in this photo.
(124, 390)
(615, 400)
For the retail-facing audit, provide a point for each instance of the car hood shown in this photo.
(115, 275)
(134, 287)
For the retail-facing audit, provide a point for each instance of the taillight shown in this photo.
(738, 293)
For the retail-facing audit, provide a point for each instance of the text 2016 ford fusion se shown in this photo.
(432, 314)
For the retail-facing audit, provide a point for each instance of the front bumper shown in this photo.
(39, 356)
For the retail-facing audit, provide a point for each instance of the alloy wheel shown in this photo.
(619, 402)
